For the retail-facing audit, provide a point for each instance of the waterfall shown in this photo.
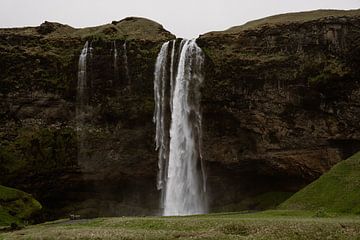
(172, 73)
(126, 67)
(184, 189)
(181, 170)
(82, 100)
(82, 78)
(159, 114)
(91, 50)
(116, 61)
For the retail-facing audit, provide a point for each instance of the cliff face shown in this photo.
(281, 101)
(39, 142)
(281, 105)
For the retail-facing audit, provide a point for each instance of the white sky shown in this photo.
(184, 18)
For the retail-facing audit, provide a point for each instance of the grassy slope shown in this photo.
(16, 206)
(336, 191)
(264, 225)
(299, 17)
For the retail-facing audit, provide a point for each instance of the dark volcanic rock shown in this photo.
(38, 140)
(281, 104)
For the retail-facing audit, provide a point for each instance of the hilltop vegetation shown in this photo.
(298, 17)
(128, 28)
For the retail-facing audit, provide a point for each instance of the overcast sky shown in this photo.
(185, 18)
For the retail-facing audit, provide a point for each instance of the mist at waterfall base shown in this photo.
(177, 116)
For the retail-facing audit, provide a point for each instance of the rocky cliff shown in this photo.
(281, 102)
(39, 141)
(281, 105)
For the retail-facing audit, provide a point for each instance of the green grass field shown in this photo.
(336, 191)
(263, 225)
(326, 209)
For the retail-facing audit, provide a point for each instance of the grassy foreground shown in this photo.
(263, 225)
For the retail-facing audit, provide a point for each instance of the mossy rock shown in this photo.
(37, 151)
(16, 206)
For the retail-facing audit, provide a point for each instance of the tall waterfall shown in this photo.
(82, 78)
(116, 61)
(181, 174)
(126, 67)
(161, 137)
(82, 100)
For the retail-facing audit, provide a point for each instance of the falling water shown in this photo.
(181, 170)
(82, 80)
(125, 59)
(159, 114)
(116, 61)
(82, 99)
(172, 83)
(91, 50)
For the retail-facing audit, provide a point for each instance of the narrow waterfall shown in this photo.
(82, 100)
(181, 170)
(161, 137)
(82, 78)
(126, 65)
(172, 83)
(116, 61)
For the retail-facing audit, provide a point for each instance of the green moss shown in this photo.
(38, 150)
(49, 66)
(333, 70)
(16, 206)
(50, 60)
(336, 191)
(5, 218)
